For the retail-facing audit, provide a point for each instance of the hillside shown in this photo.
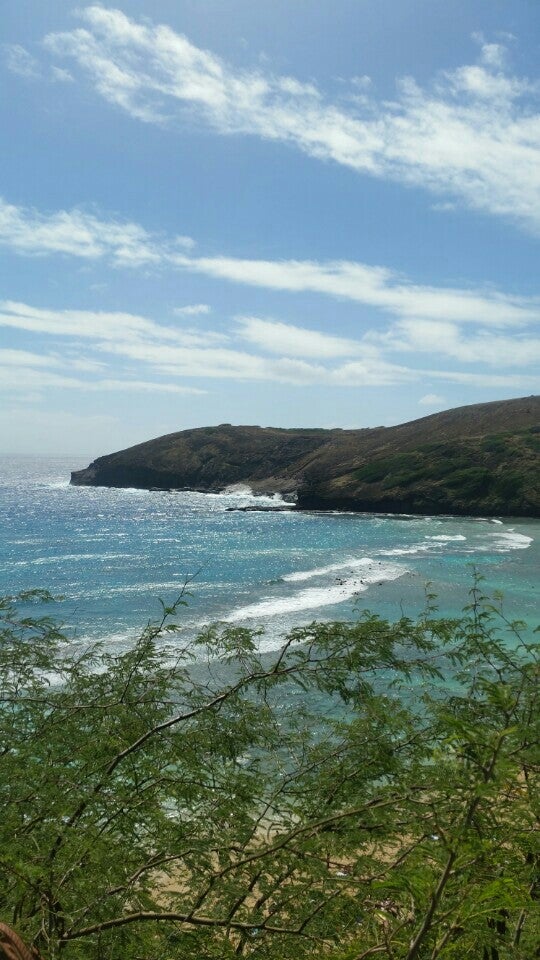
(473, 460)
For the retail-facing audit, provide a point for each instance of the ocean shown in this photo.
(111, 554)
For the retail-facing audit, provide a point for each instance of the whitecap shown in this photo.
(406, 551)
(447, 539)
(510, 540)
(242, 494)
(237, 490)
(301, 575)
(312, 598)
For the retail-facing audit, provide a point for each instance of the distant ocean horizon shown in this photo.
(111, 553)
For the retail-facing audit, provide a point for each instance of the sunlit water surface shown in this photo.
(111, 553)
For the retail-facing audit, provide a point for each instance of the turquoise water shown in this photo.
(111, 553)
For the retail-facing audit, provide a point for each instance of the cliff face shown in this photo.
(477, 460)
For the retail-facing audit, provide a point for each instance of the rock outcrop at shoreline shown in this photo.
(477, 460)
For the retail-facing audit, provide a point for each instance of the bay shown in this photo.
(112, 553)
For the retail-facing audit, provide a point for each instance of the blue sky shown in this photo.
(301, 214)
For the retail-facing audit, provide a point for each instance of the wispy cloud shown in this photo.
(82, 234)
(482, 326)
(19, 61)
(61, 75)
(284, 338)
(25, 358)
(193, 310)
(23, 372)
(91, 324)
(143, 386)
(432, 400)
(280, 353)
(23, 380)
(440, 340)
(447, 339)
(473, 134)
(124, 244)
(373, 286)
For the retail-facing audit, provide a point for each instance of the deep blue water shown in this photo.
(112, 553)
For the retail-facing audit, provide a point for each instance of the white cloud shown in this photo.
(175, 354)
(371, 285)
(284, 338)
(123, 244)
(193, 310)
(93, 325)
(22, 371)
(432, 400)
(24, 358)
(142, 386)
(166, 350)
(493, 54)
(21, 380)
(85, 364)
(214, 362)
(19, 61)
(372, 372)
(25, 378)
(474, 134)
(447, 339)
(82, 234)
(61, 75)
(362, 82)
(281, 353)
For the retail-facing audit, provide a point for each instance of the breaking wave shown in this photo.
(313, 598)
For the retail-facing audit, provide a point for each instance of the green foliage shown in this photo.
(533, 443)
(370, 789)
(468, 474)
(494, 444)
(376, 470)
(472, 481)
(436, 465)
(508, 484)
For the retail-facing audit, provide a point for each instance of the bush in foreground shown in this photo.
(369, 790)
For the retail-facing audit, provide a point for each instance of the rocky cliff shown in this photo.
(482, 459)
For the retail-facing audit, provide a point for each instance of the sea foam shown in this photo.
(351, 564)
(406, 551)
(447, 539)
(312, 598)
(510, 540)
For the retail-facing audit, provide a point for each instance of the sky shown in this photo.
(311, 213)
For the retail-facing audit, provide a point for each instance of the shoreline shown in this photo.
(336, 508)
(112, 551)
